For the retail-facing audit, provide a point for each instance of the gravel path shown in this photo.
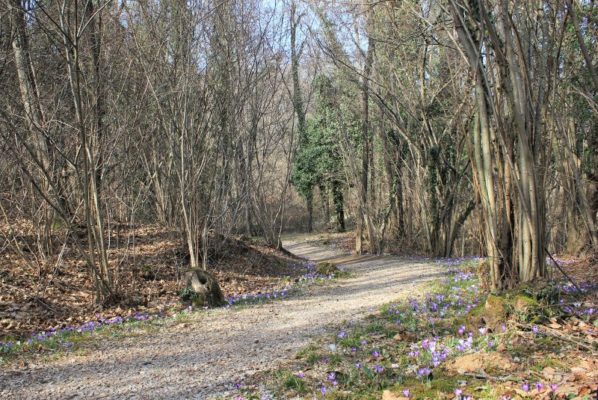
(205, 357)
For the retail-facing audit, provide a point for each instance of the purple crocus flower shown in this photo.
(406, 393)
(424, 372)
(525, 387)
(414, 354)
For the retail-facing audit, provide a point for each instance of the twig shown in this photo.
(560, 269)
(43, 303)
(559, 335)
(484, 375)
(565, 304)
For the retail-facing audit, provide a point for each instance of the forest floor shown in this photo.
(210, 353)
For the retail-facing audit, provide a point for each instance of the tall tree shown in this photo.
(512, 79)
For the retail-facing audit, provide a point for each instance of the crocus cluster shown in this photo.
(309, 275)
(89, 326)
(584, 287)
(457, 261)
(431, 352)
(539, 387)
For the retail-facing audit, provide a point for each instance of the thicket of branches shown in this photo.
(467, 126)
(438, 126)
(165, 112)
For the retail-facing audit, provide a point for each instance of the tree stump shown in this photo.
(326, 268)
(206, 290)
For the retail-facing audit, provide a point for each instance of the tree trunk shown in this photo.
(363, 221)
(310, 212)
(34, 114)
(514, 236)
(339, 206)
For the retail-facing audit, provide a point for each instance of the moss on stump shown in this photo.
(326, 268)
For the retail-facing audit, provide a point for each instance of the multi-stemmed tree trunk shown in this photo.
(78, 34)
(364, 217)
(75, 25)
(508, 130)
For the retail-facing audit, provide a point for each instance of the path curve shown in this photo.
(218, 348)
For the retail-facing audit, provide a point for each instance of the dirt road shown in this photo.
(216, 349)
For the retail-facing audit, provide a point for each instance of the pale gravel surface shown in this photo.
(216, 349)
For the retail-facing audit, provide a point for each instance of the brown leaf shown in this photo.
(475, 362)
(579, 373)
(585, 390)
(388, 395)
(548, 373)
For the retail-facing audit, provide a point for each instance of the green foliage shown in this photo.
(291, 381)
(326, 268)
(187, 294)
(318, 160)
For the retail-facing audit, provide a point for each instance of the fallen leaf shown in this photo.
(388, 395)
(548, 373)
